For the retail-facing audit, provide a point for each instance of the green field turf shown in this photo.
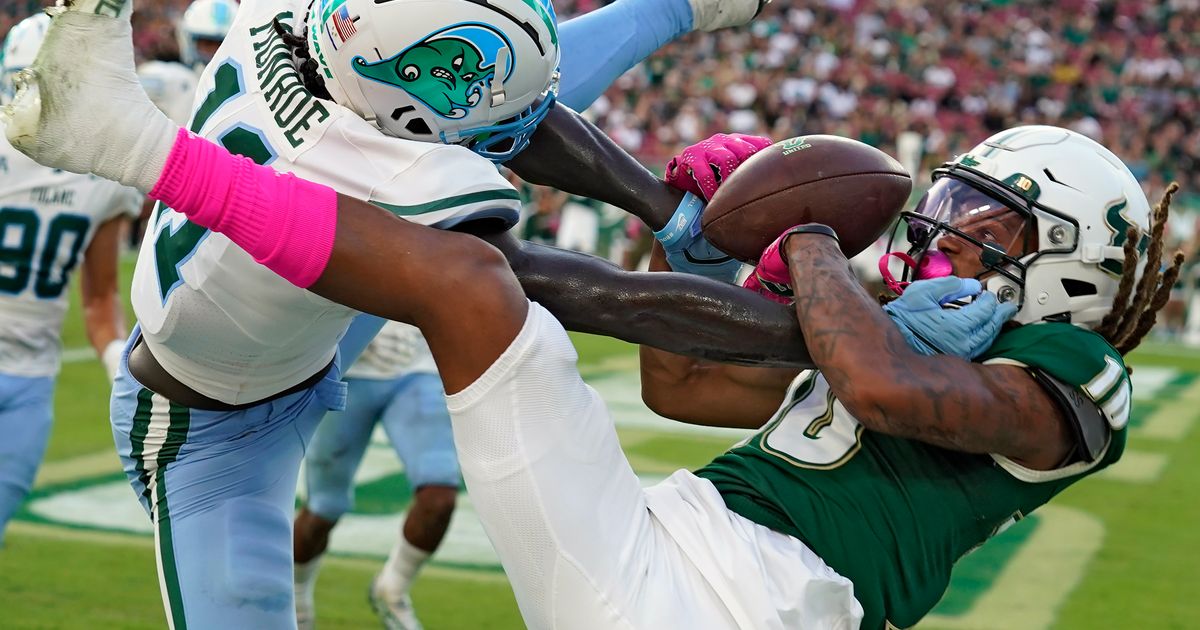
(1118, 551)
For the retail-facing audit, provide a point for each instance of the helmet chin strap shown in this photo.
(933, 264)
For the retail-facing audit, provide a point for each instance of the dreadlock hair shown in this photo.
(1131, 319)
(298, 45)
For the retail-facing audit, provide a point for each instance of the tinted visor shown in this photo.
(955, 209)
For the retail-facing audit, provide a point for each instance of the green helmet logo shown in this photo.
(447, 70)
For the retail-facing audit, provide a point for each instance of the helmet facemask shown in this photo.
(971, 225)
(504, 140)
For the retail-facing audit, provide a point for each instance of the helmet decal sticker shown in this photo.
(447, 70)
(1115, 219)
(338, 24)
(341, 26)
(328, 7)
(1024, 186)
(967, 159)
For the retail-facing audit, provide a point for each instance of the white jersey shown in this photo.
(171, 86)
(397, 350)
(47, 220)
(221, 323)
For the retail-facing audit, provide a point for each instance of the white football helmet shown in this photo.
(204, 20)
(467, 72)
(20, 48)
(1060, 203)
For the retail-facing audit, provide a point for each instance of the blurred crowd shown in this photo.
(1125, 72)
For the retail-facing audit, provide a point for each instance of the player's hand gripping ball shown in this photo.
(700, 168)
(771, 278)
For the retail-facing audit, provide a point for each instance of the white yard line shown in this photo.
(78, 355)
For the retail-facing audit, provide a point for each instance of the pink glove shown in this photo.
(771, 267)
(700, 168)
(752, 282)
(771, 278)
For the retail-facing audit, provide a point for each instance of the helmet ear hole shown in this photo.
(1078, 288)
(415, 125)
(418, 127)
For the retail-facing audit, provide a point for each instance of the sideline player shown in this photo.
(584, 544)
(232, 362)
(393, 382)
(50, 222)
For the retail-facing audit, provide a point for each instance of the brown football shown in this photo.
(853, 188)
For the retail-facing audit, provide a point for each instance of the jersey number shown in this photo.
(18, 248)
(172, 248)
(826, 441)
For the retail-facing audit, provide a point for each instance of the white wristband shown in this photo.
(111, 358)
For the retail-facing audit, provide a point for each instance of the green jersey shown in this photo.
(894, 515)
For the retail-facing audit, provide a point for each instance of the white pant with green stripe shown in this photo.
(220, 488)
(586, 547)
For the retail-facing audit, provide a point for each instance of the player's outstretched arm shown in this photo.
(679, 313)
(290, 225)
(890, 388)
(572, 155)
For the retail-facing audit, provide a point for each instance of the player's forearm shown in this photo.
(571, 154)
(103, 311)
(888, 387)
(678, 313)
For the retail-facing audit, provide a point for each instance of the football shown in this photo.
(853, 188)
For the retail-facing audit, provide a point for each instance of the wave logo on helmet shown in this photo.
(448, 69)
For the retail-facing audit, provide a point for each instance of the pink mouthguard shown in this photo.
(934, 264)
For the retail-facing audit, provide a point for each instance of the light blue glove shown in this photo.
(687, 249)
(963, 332)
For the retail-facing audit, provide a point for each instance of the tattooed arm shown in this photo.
(889, 388)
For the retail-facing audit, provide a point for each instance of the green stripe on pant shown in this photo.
(166, 553)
